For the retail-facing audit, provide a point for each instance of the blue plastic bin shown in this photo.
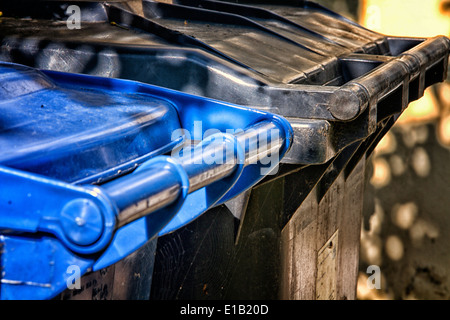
(340, 86)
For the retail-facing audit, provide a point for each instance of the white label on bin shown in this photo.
(326, 269)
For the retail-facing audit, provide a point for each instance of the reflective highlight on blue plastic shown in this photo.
(252, 174)
(200, 200)
(137, 233)
(32, 203)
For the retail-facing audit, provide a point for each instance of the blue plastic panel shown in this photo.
(72, 131)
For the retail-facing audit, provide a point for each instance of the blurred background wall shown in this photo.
(406, 228)
(407, 210)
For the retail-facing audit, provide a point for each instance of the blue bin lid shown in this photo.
(77, 133)
(61, 132)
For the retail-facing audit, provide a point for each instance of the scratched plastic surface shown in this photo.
(71, 132)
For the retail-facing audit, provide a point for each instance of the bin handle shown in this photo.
(96, 226)
(84, 217)
(352, 98)
(208, 184)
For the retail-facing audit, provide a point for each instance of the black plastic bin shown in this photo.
(295, 235)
